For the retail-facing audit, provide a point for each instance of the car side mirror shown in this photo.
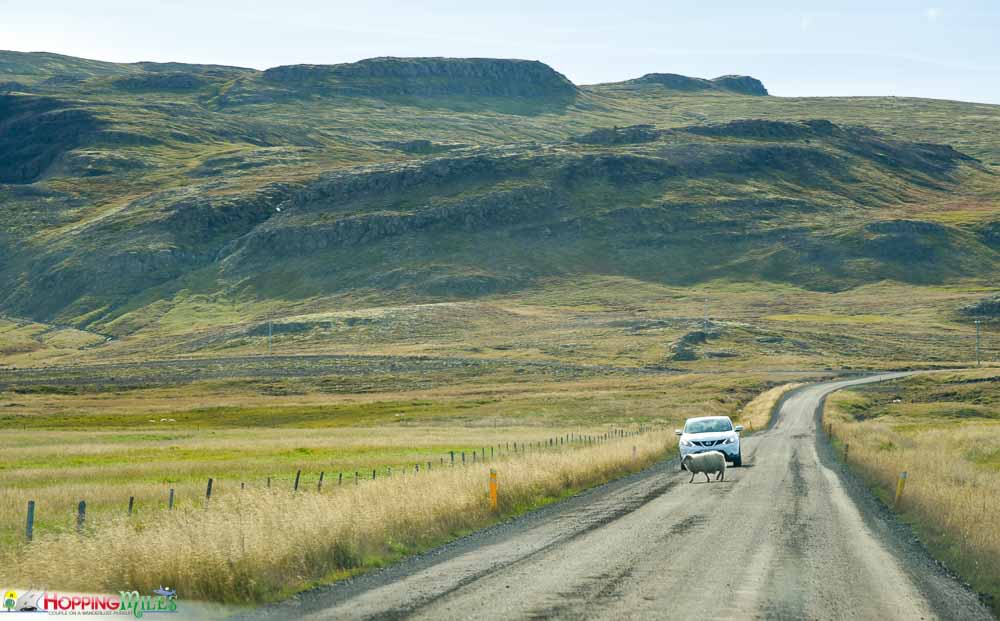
(677, 432)
(738, 427)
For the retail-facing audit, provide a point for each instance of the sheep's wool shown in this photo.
(710, 462)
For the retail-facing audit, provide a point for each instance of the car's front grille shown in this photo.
(708, 442)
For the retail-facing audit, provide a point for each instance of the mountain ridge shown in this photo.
(126, 193)
(490, 76)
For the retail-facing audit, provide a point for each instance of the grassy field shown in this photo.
(586, 320)
(943, 429)
(107, 446)
(259, 544)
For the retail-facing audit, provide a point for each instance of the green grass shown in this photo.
(378, 413)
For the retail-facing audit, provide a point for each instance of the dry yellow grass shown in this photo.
(756, 415)
(259, 544)
(57, 469)
(952, 493)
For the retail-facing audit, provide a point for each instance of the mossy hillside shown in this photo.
(159, 184)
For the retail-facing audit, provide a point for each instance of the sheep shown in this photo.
(710, 461)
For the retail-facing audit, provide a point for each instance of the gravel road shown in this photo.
(789, 536)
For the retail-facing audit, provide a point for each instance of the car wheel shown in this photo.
(738, 460)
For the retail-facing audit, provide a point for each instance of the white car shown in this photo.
(711, 433)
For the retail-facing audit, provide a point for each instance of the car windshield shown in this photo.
(708, 426)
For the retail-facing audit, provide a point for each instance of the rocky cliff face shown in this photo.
(429, 77)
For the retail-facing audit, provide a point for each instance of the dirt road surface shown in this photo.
(789, 536)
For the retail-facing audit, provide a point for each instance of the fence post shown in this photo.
(356, 477)
(268, 482)
(170, 500)
(319, 485)
(452, 457)
(899, 489)
(81, 515)
(463, 458)
(208, 492)
(131, 503)
(298, 475)
(493, 489)
(373, 474)
(473, 457)
(340, 479)
(416, 469)
(29, 528)
(428, 465)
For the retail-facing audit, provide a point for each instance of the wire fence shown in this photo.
(316, 481)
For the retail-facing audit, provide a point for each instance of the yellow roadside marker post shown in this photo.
(493, 489)
(899, 488)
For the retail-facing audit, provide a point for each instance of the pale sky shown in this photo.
(946, 50)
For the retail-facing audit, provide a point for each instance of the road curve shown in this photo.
(789, 536)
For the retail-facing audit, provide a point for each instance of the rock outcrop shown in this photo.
(34, 131)
(742, 84)
(762, 129)
(161, 82)
(391, 76)
(986, 307)
(633, 134)
(492, 210)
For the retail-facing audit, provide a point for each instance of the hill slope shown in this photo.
(125, 186)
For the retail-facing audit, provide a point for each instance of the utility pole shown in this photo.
(978, 343)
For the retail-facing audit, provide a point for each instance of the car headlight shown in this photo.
(730, 440)
(685, 443)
